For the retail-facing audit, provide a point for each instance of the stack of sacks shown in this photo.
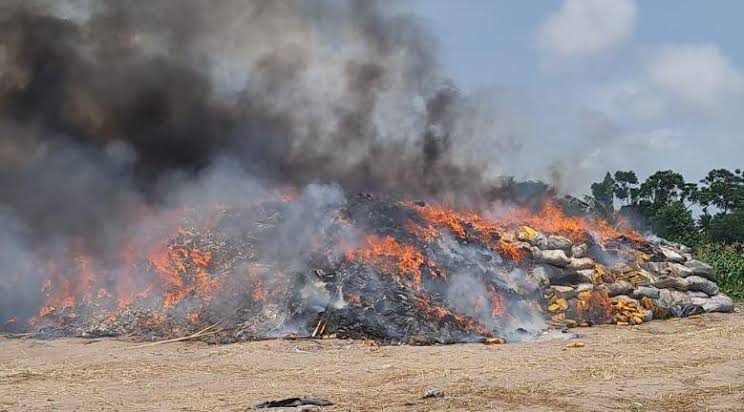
(624, 282)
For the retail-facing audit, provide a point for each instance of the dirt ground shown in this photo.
(690, 364)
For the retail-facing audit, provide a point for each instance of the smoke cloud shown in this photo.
(122, 95)
(109, 109)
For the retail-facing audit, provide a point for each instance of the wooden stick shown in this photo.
(20, 335)
(321, 322)
(161, 342)
(317, 327)
(203, 332)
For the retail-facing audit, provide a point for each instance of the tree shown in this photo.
(674, 222)
(626, 186)
(604, 195)
(664, 187)
(728, 228)
(723, 189)
(663, 201)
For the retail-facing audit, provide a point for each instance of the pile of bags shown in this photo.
(626, 282)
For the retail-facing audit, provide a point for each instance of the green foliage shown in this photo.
(728, 262)
(663, 187)
(674, 222)
(723, 189)
(664, 201)
(604, 193)
(728, 228)
(626, 186)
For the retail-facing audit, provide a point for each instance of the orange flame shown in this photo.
(550, 219)
(594, 306)
(498, 309)
(353, 299)
(425, 304)
(180, 265)
(59, 291)
(172, 265)
(125, 281)
(426, 233)
(487, 231)
(390, 255)
(259, 293)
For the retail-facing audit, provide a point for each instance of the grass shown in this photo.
(728, 261)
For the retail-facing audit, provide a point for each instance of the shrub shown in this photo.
(728, 261)
(727, 228)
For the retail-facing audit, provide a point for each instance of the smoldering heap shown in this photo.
(114, 113)
(185, 166)
(377, 268)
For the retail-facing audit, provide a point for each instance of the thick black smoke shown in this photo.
(102, 102)
(113, 113)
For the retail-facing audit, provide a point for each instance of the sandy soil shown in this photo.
(690, 364)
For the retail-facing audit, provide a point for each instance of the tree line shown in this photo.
(709, 211)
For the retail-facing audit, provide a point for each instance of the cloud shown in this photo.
(663, 140)
(587, 27)
(641, 150)
(629, 100)
(671, 83)
(697, 75)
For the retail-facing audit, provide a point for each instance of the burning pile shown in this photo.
(143, 146)
(368, 267)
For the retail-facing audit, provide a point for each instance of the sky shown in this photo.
(598, 85)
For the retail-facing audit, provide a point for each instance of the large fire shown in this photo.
(181, 275)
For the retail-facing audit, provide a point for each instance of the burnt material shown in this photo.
(293, 402)
(367, 271)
